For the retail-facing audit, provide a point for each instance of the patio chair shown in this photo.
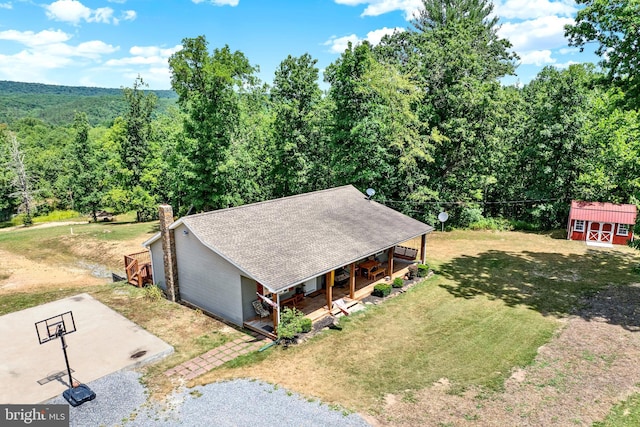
(260, 310)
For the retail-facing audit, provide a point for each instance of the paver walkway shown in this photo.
(217, 356)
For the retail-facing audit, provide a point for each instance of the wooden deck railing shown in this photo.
(138, 268)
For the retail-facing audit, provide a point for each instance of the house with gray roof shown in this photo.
(278, 251)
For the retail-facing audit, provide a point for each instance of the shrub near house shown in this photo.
(381, 290)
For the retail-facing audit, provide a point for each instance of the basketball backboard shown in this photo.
(54, 327)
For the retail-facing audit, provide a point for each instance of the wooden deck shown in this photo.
(314, 306)
(138, 268)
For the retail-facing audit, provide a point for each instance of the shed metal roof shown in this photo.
(283, 242)
(603, 212)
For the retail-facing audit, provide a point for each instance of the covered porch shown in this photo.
(348, 284)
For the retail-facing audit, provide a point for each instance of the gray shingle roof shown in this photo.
(283, 242)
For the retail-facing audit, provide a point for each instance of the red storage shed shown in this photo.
(601, 223)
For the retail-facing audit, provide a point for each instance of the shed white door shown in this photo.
(601, 232)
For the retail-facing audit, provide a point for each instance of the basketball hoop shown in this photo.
(57, 327)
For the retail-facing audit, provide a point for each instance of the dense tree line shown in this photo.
(57, 105)
(422, 118)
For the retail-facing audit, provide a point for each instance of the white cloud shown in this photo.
(74, 12)
(231, 3)
(537, 34)
(375, 36)
(102, 14)
(380, 7)
(566, 64)
(46, 51)
(568, 50)
(537, 57)
(31, 39)
(340, 44)
(94, 49)
(6, 6)
(531, 9)
(68, 11)
(154, 51)
(151, 62)
(129, 15)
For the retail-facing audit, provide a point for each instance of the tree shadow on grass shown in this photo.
(598, 285)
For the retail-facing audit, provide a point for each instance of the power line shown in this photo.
(462, 203)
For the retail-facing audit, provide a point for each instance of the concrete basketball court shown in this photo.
(104, 342)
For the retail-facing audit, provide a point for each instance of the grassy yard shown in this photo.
(495, 299)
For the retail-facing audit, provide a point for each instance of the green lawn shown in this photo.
(495, 299)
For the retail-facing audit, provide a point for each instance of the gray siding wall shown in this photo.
(206, 279)
(158, 264)
(249, 289)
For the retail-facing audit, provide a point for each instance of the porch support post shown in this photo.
(330, 277)
(423, 248)
(352, 280)
(390, 253)
(276, 313)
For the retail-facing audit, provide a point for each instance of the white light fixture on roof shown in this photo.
(370, 193)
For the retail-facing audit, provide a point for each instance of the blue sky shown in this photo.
(107, 43)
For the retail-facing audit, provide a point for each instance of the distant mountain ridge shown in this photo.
(11, 87)
(56, 105)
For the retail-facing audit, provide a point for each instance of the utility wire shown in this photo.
(460, 203)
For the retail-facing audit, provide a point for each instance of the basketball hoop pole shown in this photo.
(57, 327)
(66, 358)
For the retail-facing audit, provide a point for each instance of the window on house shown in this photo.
(579, 225)
(623, 229)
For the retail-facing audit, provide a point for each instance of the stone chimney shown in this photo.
(165, 212)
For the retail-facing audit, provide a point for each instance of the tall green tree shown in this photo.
(376, 139)
(135, 148)
(297, 144)
(456, 57)
(436, 14)
(554, 151)
(86, 179)
(614, 26)
(209, 88)
(610, 171)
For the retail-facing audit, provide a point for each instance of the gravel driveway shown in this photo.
(121, 400)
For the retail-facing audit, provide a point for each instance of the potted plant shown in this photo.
(413, 271)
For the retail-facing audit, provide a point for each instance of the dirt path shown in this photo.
(593, 363)
(25, 274)
(43, 225)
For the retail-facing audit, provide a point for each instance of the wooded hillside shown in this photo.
(56, 105)
(422, 118)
